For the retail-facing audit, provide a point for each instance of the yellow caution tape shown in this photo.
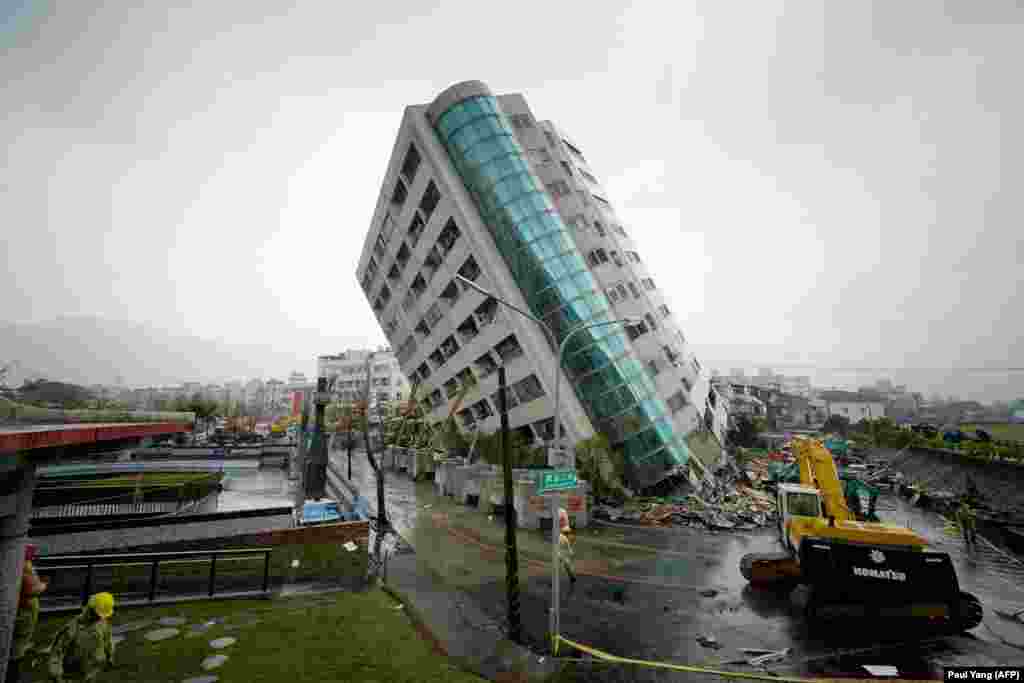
(674, 667)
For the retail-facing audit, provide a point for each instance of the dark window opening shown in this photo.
(482, 410)
(528, 389)
(470, 270)
(467, 418)
(419, 285)
(650, 321)
(416, 228)
(449, 235)
(436, 398)
(394, 273)
(402, 257)
(467, 330)
(424, 370)
(437, 359)
(450, 294)
(486, 364)
(411, 163)
(422, 329)
(635, 331)
(510, 397)
(449, 347)
(509, 348)
(431, 197)
(486, 313)
(635, 290)
(400, 194)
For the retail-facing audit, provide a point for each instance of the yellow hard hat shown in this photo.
(102, 604)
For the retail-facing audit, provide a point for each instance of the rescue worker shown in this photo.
(27, 617)
(84, 645)
(965, 517)
(565, 549)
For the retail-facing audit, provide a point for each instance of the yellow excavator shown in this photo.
(843, 568)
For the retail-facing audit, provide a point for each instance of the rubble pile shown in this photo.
(731, 503)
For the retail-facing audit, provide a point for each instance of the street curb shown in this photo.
(415, 617)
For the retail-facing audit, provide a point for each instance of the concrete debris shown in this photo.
(709, 592)
(768, 658)
(709, 641)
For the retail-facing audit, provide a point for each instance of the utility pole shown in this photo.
(511, 552)
(316, 467)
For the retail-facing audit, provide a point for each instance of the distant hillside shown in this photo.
(86, 350)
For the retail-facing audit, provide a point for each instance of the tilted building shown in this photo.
(476, 186)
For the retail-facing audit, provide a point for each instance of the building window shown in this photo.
(431, 196)
(558, 188)
(416, 227)
(616, 258)
(551, 139)
(663, 309)
(633, 256)
(599, 228)
(637, 330)
(521, 121)
(450, 295)
(436, 398)
(400, 194)
(597, 256)
(467, 418)
(510, 397)
(652, 367)
(433, 314)
(509, 349)
(424, 371)
(677, 402)
(612, 295)
(403, 255)
(621, 289)
(468, 330)
(437, 358)
(411, 163)
(528, 389)
(482, 410)
(449, 347)
(648, 284)
(635, 291)
(470, 270)
(485, 364)
(449, 235)
(650, 321)
(486, 313)
(566, 167)
(620, 230)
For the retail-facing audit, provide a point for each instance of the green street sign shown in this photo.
(556, 480)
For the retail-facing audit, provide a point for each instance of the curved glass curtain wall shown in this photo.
(613, 386)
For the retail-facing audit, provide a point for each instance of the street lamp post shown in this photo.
(555, 532)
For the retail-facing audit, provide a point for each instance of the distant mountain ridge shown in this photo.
(89, 350)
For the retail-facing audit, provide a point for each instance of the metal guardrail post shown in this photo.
(153, 576)
(266, 570)
(213, 572)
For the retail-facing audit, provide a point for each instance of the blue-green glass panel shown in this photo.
(534, 243)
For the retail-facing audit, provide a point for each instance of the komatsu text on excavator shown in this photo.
(851, 569)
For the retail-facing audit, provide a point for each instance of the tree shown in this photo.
(745, 431)
(46, 393)
(837, 424)
(601, 466)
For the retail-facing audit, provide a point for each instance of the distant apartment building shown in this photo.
(274, 398)
(478, 187)
(253, 396)
(348, 371)
(853, 406)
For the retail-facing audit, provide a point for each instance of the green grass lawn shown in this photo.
(334, 637)
(1003, 432)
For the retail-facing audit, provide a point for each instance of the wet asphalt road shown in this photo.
(649, 593)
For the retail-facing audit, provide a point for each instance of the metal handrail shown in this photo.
(90, 562)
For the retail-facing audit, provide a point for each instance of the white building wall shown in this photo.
(856, 411)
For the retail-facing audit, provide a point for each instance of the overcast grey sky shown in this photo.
(839, 181)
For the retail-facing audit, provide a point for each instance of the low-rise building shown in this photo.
(348, 372)
(852, 405)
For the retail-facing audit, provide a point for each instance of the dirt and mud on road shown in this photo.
(676, 595)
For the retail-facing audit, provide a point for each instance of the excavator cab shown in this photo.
(795, 500)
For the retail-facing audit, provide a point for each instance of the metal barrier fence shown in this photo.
(67, 563)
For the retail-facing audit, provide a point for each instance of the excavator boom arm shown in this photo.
(818, 469)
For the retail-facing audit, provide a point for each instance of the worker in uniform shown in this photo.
(965, 516)
(84, 645)
(27, 616)
(565, 549)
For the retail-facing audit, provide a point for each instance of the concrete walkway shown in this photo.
(472, 638)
